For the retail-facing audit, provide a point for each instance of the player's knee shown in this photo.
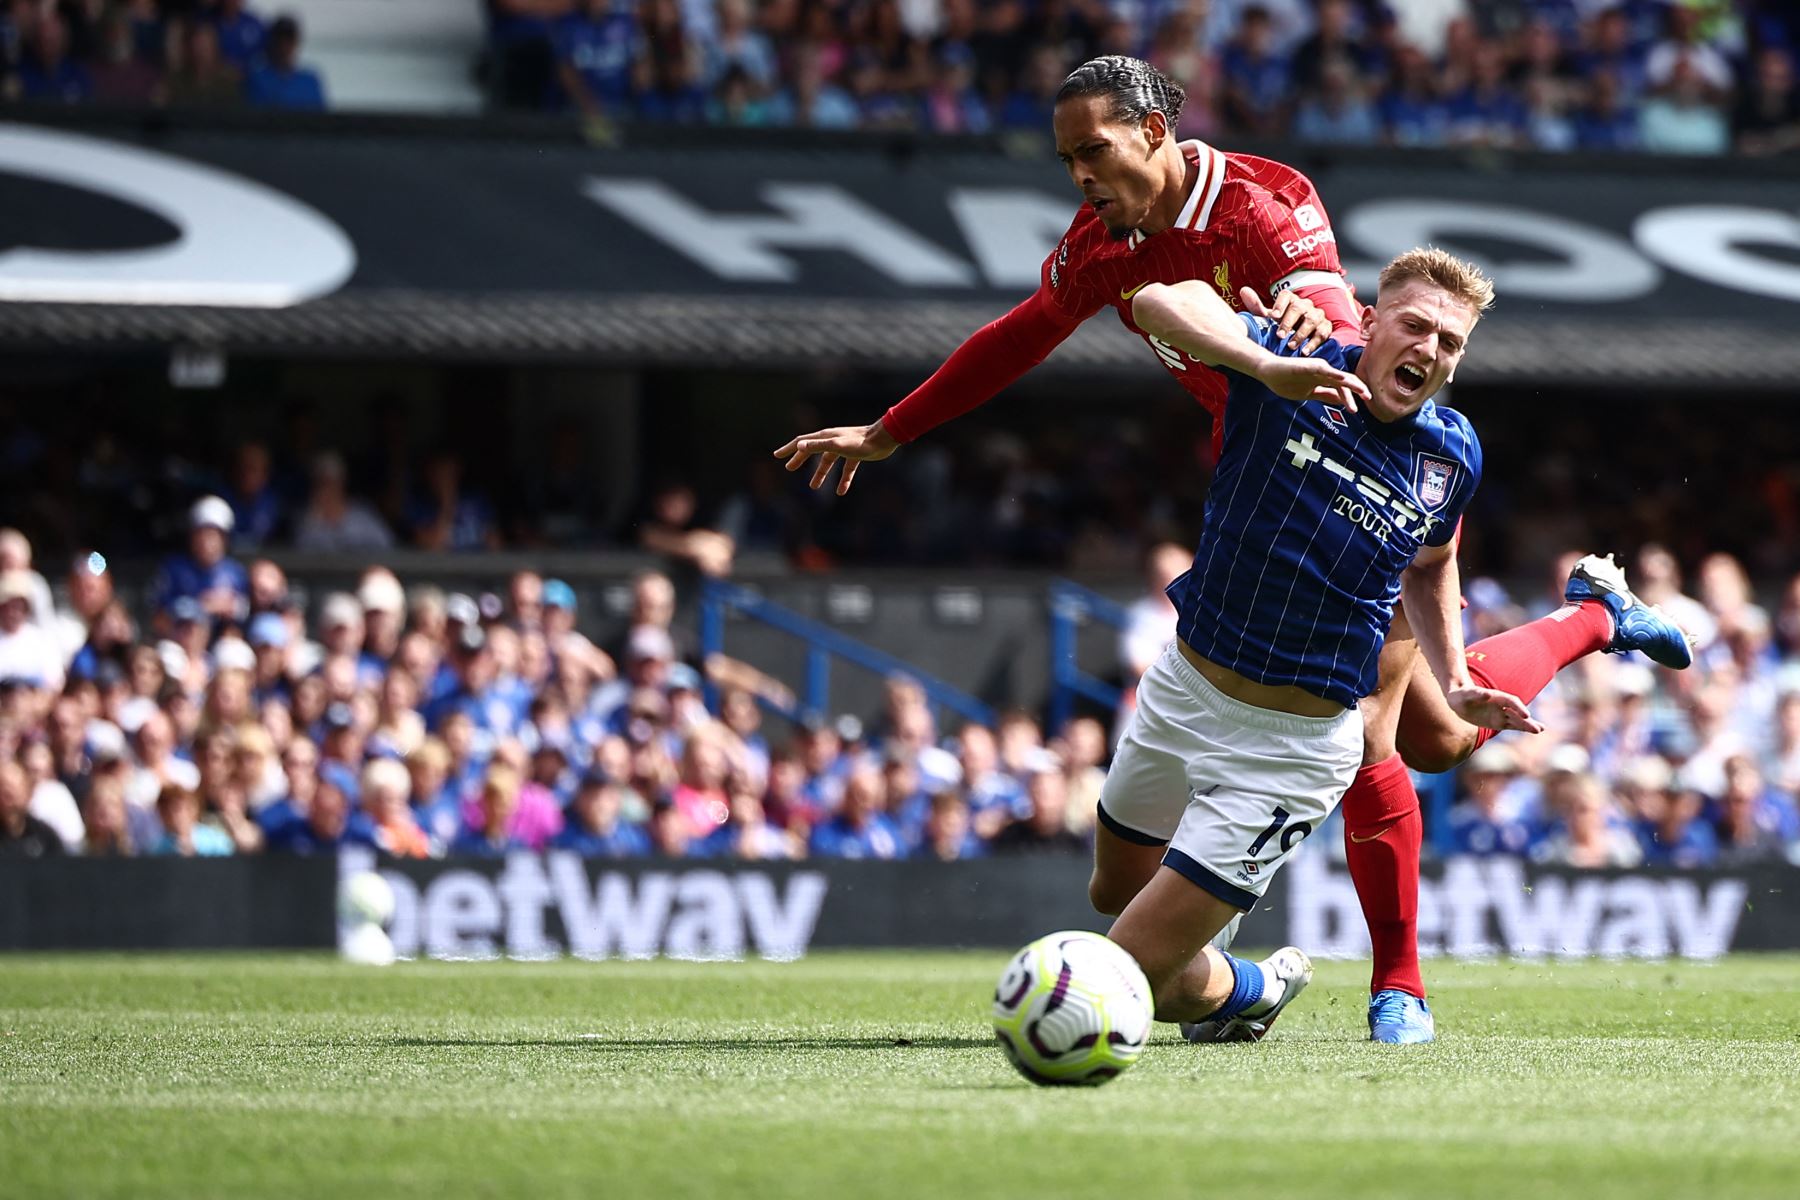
(1108, 895)
(1443, 750)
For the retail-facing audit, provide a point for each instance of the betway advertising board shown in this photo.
(531, 906)
(270, 220)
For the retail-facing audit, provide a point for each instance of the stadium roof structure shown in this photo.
(451, 241)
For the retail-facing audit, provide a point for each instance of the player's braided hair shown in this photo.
(1133, 87)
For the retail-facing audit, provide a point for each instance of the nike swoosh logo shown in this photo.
(1125, 295)
(1361, 841)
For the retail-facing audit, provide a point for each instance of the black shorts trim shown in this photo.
(1126, 832)
(1209, 881)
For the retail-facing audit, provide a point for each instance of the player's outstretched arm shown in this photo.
(1431, 589)
(1191, 317)
(992, 358)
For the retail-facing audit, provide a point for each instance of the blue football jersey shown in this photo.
(1313, 514)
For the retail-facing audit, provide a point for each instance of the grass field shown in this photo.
(870, 1076)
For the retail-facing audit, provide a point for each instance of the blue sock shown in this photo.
(1246, 988)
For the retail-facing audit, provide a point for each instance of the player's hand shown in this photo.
(1492, 709)
(1312, 379)
(855, 444)
(1301, 322)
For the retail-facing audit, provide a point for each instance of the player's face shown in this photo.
(1416, 335)
(1112, 162)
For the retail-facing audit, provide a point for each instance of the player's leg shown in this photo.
(1601, 614)
(1383, 833)
(1142, 798)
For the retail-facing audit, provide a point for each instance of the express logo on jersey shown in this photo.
(1435, 480)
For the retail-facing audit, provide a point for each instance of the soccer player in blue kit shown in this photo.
(1338, 492)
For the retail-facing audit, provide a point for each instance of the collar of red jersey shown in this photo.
(1197, 212)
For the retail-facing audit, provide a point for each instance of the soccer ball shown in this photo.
(1072, 1008)
(365, 899)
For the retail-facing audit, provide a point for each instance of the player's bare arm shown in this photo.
(1431, 589)
(1191, 317)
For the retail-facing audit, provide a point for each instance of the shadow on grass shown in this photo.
(729, 1044)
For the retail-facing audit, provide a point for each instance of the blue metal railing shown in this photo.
(1071, 607)
(823, 643)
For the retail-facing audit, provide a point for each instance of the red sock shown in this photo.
(1523, 660)
(1382, 834)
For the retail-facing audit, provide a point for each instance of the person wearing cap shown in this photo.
(1665, 818)
(648, 654)
(334, 521)
(1480, 825)
(204, 572)
(269, 637)
(475, 692)
(597, 827)
(383, 602)
(27, 653)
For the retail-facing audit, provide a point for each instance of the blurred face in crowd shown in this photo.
(1085, 743)
(399, 695)
(947, 828)
(278, 721)
(207, 545)
(230, 697)
(104, 812)
(178, 810)
(144, 669)
(1787, 720)
(651, 768)
(418, 657)
(250, 469)
(979, 757)
(68, 727)
(653, 600)
(459, 736)
(310, 700)
(15, 793)
(477, 668)
(864, 795)
(90, 585)
(902, 781)
(740, 713)
(1115, 164)
(268, 586)
(38, 762)
(819, 749)
(253, 758)
(1049, 802)
(527, 594)
(1018, 738)
(1587, 811)
(668, 831)
(547, 765)
(703, 764)
(13, 613)
(499, 800)
(503, 644)
(329, 811)
(597, 807)
(343, 636)
(534, 659)
(184, 714)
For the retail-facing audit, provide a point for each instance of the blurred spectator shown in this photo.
(121, 73)
(1684, 116)
(596, 827)
(1255, 75)
(1480, 825)
(335, 522)
(28, 655)
(279, 81)
(1748, 827)
(385, 788)
(90, 591)
(672, 527)
(947, 834)
(216, 583)
(1336, 112)
(179, 812)
(255, 508)
(242, 34)
(15, 556)
(48, 74)
(1044, 828)
(860, 829)
(199, 77)
(1150, 621)
(1767, 118)
(444, 516)
(593, 57)
(21, 834)
(1590, 836)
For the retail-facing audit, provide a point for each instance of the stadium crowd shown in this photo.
(183, 53)
(1682, 76)
(1687, 76)
(231, 721)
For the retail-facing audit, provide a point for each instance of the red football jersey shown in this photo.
(1249, 222)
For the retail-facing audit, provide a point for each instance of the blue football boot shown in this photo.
(1636, 625)
(1400, 1019)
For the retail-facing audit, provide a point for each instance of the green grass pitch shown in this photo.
(871, 1075)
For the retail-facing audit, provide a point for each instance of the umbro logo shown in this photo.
(1335, 420)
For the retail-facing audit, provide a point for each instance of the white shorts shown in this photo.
(1230, 788)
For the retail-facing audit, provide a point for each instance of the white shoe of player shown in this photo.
(1288, 964)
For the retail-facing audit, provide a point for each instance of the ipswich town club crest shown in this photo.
(1436, 477)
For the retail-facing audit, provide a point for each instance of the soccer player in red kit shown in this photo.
(1183, 213)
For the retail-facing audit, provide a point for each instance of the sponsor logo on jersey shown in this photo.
(1373, 498)
(1251, 868)
(1171, 357)
(1335, 420)
(1435, 479)
(1222, 281)
(1312, 241)
(1056, 265)
(1308, 218)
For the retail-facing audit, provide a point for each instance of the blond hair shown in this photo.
(1441, 269)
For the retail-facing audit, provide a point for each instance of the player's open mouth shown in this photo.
(1408, 379)
(1100, 205)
